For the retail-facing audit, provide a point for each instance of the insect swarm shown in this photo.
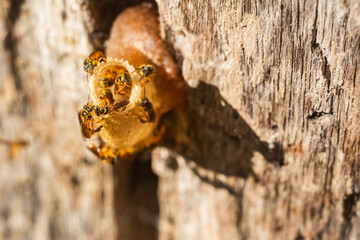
(130, 88)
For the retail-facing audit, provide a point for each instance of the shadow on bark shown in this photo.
(135, 199)
(216, 136)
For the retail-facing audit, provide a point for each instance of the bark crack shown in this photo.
(314, 43)
(316, 114)
(21, 103)
(349, 203)
(326, 71)
(11, 40)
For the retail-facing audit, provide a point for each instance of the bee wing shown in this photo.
(116, 87)
(119, 104)
(84, 125)
(79, 117)
(85, 130)
(152, 115)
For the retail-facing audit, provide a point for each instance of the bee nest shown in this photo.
(122, 127)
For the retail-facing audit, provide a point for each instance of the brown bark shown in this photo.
(267, 148)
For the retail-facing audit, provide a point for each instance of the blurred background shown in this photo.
(53, 187)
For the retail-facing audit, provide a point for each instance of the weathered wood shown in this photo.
(53, 189)
(272, 146)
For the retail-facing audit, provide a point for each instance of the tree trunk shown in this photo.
(267, 148)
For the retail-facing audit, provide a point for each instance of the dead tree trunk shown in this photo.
(267, 148)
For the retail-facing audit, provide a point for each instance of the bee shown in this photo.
(104, 110)
(119, 105)
(149, 115)
(91, 61)
(107, 96)
(104, 152)
(86, 121)
(109, 74)
(123, 84)
(86, 111)
(146, 71)
(109, 154)
(106, 82)
(100, 111)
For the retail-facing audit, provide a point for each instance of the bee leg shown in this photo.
(118, 89)
(102, 59)
(110, 154)
(147, 113)
(146, 116)
(110, 160)
(124, 93)
(107, 100)
(107, 97)
(96, 150)
(104, 152)
(98, 129)
(144, 80)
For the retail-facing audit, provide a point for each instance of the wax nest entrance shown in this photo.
(123, 107)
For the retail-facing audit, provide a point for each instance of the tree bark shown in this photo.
(268, 146)
(272, 147)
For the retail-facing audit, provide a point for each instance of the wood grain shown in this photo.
(273, 121)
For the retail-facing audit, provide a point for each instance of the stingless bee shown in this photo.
(119, 105)
(100, 111)
(123, 84)
(106, 82)
(148, 109)
(93, 59)
(110, 154)
(146, 71)
(104, 110)
(107, 96)
(104, 152)
(86, 121)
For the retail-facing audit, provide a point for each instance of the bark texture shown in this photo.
(267, 148)
(53, 189)
(272, 147)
